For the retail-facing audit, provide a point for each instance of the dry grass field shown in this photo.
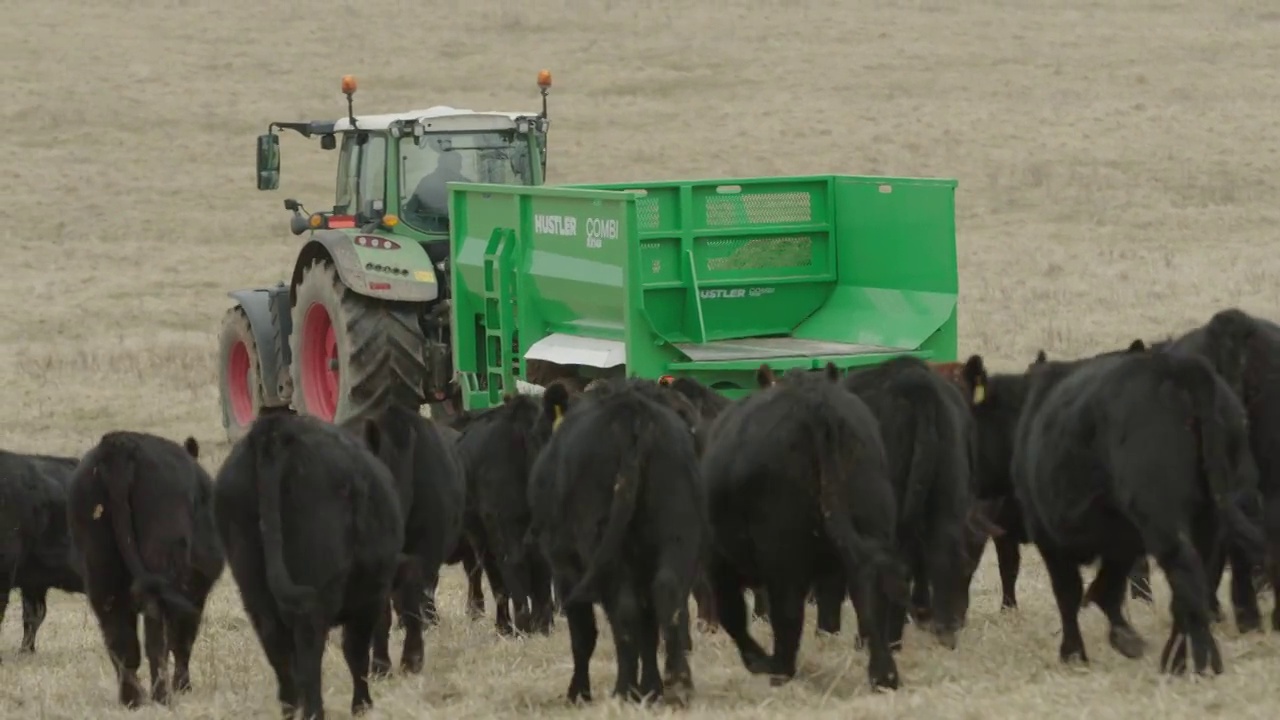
(1119, 172)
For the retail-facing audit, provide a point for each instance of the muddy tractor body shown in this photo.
(364, 315)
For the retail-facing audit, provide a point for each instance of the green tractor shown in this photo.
(365, 317)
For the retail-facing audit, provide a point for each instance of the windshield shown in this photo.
(430, 161)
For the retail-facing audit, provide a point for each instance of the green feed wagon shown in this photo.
(707, 279)
(445, 257)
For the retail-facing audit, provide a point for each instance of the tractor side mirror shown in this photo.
(268, 161)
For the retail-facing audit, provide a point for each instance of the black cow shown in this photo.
(996, 404)
(425, 463)
(1132, 453)
(498, 448)
(35, 544)
(1245, 352)
(140, 513)
(929, 441)
(620, 513)
(709, 404)
(463, 552)
(798, 486)
(312, 525)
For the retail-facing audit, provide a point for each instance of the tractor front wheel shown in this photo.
(352, 354)
(239, 376)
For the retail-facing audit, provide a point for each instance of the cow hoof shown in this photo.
(886, 681)
(947, 639)
(412, 664)
(1072, 655)
(779, 680)
(579, 694)
(1248, 621)
(756, 664)
(1008, 604)
(1127, 642)
(1215, 614)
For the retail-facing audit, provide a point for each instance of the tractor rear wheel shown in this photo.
(352, 354)
(239, 376)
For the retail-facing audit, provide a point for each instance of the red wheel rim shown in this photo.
(238, 384)
(319, 363)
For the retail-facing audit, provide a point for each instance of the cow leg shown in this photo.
(380, 666)
(33, 613)
(1140, 580)
(872, 605)
(624, 613)
(732, 607)
(119, 623)
(829, 591)
(650, 678)
(760, 602)
(786, 615)
(581, 619)
(1244, 599)
(409, 599)
(1184, 568)
(308, 659)
(708, 621)
(1107, 590)
(357, 637)
(153, 629)
(540, 595)
(475, 588)
(1068, 591)
(498, 588)
(183, 631)
(1009, 558)
(670, 603)
(1215, 568)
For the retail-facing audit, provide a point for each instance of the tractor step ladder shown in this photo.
(499, 313)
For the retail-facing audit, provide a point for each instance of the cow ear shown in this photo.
(192, 447)
(555, 401)
(372, 435)
(832, 372)
(1137, 346)
(764, 376)
(1041, 358)
(975, 376)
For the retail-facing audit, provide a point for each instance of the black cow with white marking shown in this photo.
(798, 488)
(140, 512)
(1132, 453)
(35, 544)
(313, 530)
(620, 513)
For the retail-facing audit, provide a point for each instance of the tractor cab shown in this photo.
(393, 168)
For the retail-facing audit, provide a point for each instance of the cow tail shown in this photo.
(1215, 459)
(626, 493)
(290, 596)
(117, 470)
(857, 552)
(924, 461)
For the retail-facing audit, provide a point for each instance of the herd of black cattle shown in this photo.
(882, 485)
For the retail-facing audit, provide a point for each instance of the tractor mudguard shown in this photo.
(268, 313)
(404, 274)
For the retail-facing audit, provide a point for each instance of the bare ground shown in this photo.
(1118, 178)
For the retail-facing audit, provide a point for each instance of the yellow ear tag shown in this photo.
(559, 419)
(979, 394)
